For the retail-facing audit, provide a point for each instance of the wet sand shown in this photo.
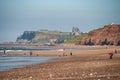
(82, 65)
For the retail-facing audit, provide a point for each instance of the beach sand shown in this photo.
(82, 65)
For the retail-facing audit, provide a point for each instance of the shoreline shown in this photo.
(76, 50)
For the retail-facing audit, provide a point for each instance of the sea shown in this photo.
(11, 61)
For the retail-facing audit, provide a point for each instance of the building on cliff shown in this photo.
(76, 31)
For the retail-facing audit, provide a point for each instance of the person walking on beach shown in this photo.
(111, 54)
(4, 51)
(71, 53)
(30, 53)
(64, 52)
(115, 51)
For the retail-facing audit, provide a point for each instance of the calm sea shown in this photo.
(26, 49)
(42, 49)
(16, 61)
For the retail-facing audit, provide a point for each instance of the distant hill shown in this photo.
(43, 36)
(108, 35)
(46, 36)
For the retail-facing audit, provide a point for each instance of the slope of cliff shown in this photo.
(43, 36)
(108, 35)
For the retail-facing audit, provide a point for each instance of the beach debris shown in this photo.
(50, 76)
(83, 74)
(30, 77)
(108, 77)
(95, 72)
(91, 74)
(60, 50)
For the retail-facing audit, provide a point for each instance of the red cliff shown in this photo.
(108, 35)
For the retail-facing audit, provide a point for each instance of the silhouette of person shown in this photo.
(115, 51)
(30, 53)
(4, 51)
(71, 53)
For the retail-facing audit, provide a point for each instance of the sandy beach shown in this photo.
(82, 65)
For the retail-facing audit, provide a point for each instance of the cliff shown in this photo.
(43, 36)
(108, 35)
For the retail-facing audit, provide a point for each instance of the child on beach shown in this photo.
(111, 54)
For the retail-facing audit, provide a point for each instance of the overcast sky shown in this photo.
(16, 16)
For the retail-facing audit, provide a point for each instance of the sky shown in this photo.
(17, 16)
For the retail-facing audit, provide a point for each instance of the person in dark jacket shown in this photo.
(71, 53)
(30, 53)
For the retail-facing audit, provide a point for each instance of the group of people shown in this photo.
(110, 53)
(65, 53)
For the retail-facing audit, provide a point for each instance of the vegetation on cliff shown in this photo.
(108, 35)
(43, 37)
